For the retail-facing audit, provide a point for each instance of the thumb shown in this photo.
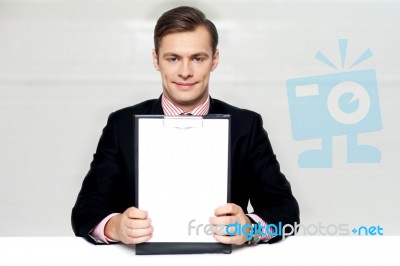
(135, 213)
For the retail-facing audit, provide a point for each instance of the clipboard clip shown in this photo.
(183, 122)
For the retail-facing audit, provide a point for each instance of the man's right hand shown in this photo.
(131, 227)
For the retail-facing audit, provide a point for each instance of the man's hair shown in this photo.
(183, 19)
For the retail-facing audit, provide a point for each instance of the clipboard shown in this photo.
(182, 173)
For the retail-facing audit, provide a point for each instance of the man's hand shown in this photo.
(131, 227)
(229, 214)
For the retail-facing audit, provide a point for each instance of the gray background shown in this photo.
(65, 65)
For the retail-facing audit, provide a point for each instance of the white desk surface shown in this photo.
(299, 250)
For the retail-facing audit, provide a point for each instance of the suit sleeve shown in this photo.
(271, 196)
(97, 197)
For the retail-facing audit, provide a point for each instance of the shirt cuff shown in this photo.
(266, 236)
(98, 232)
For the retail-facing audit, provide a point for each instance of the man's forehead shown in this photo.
(192, 42)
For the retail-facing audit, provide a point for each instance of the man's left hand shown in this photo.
(229, 214)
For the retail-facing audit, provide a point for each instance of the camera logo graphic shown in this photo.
(344, 103)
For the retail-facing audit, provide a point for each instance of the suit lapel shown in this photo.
(156, 109)
(214, 108)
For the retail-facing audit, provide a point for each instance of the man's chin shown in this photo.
(184, 101)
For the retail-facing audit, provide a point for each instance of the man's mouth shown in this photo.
(185, 84)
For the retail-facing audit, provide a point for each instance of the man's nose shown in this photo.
(186, 70)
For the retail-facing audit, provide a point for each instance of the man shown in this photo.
(185, 54)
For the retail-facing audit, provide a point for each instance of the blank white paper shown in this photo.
(182, 175)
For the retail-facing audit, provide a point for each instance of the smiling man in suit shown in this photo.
(185, 54)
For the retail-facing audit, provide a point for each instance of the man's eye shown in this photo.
(198, 59)
(172, 59)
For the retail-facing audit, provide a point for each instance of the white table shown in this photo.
(299, 250)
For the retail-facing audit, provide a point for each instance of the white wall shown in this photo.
(65, 65)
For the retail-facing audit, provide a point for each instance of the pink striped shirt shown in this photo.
(169, 109)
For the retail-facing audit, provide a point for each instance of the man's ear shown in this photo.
(155, 60)
(215, 60)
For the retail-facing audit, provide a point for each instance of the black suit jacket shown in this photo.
(255, 174)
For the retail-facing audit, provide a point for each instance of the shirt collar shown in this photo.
(170, 109)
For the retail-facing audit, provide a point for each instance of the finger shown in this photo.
(138, 223)
(227, 209)
(137, 240)
(230, 230)
(135, 213)
(224, 220)
(219, 230)
(137, 233)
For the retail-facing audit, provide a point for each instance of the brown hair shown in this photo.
(183, 19)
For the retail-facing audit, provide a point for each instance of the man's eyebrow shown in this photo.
(168, 54)
(204, 54)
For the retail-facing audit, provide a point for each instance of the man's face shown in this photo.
(185, 60)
